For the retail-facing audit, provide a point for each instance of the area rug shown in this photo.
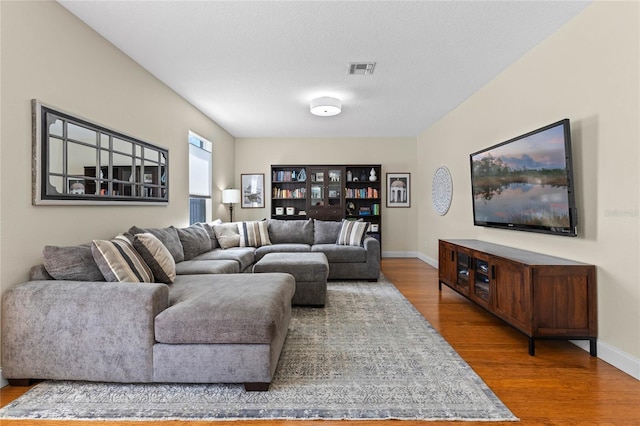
(367, 355)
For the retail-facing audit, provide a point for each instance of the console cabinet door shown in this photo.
(447, 263)
(561, 301)
(512, 294)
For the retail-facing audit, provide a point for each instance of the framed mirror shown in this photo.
(79, 162)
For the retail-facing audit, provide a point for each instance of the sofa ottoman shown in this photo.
(223, 329)
(310, 271)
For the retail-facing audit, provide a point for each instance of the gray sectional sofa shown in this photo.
(208, 320)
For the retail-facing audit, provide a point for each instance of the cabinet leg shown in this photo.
(593, 347)
(532, 346)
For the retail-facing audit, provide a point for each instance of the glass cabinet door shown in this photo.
(317, 178)
(334, 189)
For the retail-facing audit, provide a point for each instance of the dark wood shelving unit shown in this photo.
(328, 192)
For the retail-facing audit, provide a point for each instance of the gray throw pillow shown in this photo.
(326, 231)
(168, 236)
(212, 234)
(291, 231)
(227, 234)
(74, 263)
(194, 240)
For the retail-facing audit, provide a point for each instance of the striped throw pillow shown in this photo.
(352, 233)
(254, 234)
(119, 261)
(157, 256)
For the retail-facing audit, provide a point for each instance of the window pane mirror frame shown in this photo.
(77, 162)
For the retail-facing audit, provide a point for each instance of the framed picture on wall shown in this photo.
(252, 191)
(398, 189)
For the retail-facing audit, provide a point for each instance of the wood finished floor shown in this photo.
(561, 385)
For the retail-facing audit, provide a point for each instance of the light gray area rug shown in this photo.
(367, 355)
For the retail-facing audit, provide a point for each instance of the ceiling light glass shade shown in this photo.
(231, 196)
(326, 106)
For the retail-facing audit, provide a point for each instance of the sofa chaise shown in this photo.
(205, 319)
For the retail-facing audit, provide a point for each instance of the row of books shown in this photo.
(368, 192)
(287, 176)
(289, 193)
(374, 209)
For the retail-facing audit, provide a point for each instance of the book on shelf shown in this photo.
(368, 192)
(289, 193)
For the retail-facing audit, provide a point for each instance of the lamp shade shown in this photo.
(231, 196)
(326, 106)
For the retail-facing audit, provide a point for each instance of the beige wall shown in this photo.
(256, 155)
(588, 72)
(50, 55)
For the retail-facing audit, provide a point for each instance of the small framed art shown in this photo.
(398, 189)
(252, 191)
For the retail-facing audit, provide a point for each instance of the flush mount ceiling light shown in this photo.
(326, 106)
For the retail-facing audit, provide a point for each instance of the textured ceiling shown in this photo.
(254, 66)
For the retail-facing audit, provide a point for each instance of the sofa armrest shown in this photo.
(372, 246)
(76, 330)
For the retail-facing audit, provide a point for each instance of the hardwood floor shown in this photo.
(561, 385)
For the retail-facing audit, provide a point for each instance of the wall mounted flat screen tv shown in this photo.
(526, 183)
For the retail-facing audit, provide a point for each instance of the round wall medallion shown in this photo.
(441, 190)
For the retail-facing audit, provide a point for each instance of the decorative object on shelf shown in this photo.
(349, 176)
(398, 189)
(441, 190)
(231, 197)
(302, 176)
(351, 208)
(279, 211)
(93, 164)
(325, 106)
(363, 176)
(252, 191)
(291, 211)
(372, 175)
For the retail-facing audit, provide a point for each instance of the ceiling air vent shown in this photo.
(361, 68)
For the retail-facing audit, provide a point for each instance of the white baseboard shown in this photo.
(3, 381)
(611, 355)
(399, 254)
(428, 260)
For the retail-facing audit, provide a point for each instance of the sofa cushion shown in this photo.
(281, 248)
(74, 263)
(194, 267)
(254, 234)
(326, 231)
(157, 256)
(341, 253)
(227, 234)
(119, 261)
(168, 236)
(291, 231)
(352, 232)
(243, 255)
(194, 240)
(228, 308)
(212, 234)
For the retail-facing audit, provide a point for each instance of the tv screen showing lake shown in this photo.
(523, 181)
(525, 204)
